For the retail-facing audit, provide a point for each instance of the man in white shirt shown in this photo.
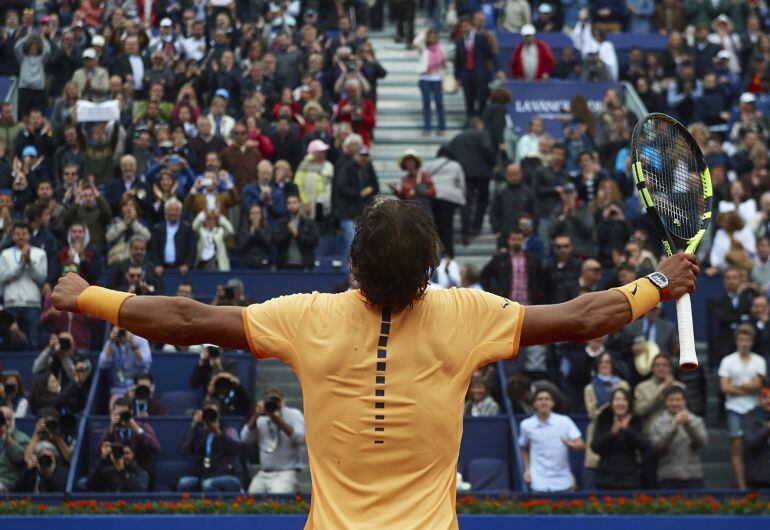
(545, 440)
(23, 270)
(194, 46)
(740, 378)
(131, 47)
(280, 433)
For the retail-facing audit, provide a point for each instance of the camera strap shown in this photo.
(209, 447)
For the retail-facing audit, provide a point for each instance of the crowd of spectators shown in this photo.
(244, 133)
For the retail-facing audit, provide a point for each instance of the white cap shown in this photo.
(527, 30)
(723, 54)
(748, 97)
(98, 41)
(545, 8)
(89, 53)
(166, 22)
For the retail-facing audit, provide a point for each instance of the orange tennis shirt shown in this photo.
(383, 396)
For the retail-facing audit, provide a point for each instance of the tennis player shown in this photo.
(384, 369)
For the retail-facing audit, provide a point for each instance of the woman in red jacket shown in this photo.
(416, 185)
(358, 111)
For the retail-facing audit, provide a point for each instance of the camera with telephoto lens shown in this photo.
(272, 404)
(223, 387)
(2, 420)
(214, 352)
(121, 334)
(210, 415)
(125, 416)
(51, 424)
(229, 293)
(45, 462)
(65, 344)
(10, 390)
(142, 392)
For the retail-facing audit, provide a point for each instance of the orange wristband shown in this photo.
(642, 296)
(102, 303)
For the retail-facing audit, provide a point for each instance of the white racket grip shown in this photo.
(688, 360)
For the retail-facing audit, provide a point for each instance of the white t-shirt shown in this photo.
(741, 372)
(548, 455)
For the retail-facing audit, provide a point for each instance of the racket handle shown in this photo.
(688, 360)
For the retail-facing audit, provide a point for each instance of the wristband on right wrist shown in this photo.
(102, 303)
(641, 295)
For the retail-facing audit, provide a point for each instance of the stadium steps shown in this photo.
(716, 455)
(399, 127)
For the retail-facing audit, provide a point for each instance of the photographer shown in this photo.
(279, 431)
(48, 391)
(116, 470)
(43, 474)
(357, 110)
(142, 397)
(134, 282)
(12, 444)
(124, 355)
(12, 394)
(211, 362)
(227, 389)
(125, 429)
(230, 294)
(56, 428)
(60, 357)
(215, 452)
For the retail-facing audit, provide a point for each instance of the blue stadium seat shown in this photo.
(168, 472)
(488, 474)
(180, 403)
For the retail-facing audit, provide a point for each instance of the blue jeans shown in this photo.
(348, 227)
(217, 484)
(428, 88)
(28, 319)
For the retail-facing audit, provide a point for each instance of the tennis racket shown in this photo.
(675, 187)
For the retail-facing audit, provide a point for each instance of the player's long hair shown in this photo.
(394, 252)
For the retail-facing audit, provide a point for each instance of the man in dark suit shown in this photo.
(760, 320)
(473, 150)
(563, 272)
(128, 184)
(131, 62)
(182, 251)
(473, 56)
(514, 274)
(730, 309)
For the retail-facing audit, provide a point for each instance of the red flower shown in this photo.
(23, 502)
(185, 496)
(148, 506)
(41, 507)
(235, 505)
(122, 503)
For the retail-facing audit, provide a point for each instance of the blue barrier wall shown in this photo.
(623, 42)
(259, 285)
(548, 99)
(467, 522)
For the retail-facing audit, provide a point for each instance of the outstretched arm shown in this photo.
(171, 320)
(594, 315)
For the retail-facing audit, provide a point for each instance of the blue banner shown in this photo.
(549, 101)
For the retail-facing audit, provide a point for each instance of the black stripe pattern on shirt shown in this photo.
(379, 378)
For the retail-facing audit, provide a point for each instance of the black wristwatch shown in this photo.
(659, 280)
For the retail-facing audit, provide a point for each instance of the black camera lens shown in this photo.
(121, 334)
(210, 415)
(223, 386)
(65, 343)
(271, 405)
(52, 424)
(214, 352)
(10, 390)
(2, 420)
(229, 292)
(125, 416)
(142, 392)
(45, 461)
